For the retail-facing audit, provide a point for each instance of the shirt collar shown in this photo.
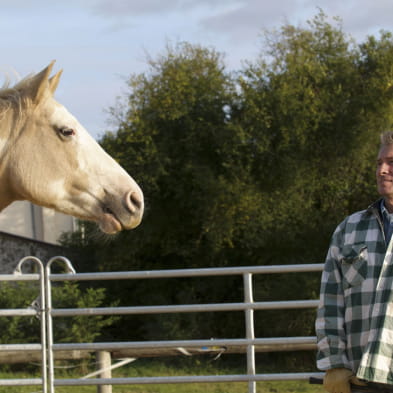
(384, 211)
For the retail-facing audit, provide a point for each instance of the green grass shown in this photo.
(262, 387)
(156, 368)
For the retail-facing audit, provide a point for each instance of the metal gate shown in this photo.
(249, 343)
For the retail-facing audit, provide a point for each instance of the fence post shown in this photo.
(41, 308)
(49, 318)
(250, 334)
(104, 363)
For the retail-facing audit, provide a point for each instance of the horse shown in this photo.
(48, 158)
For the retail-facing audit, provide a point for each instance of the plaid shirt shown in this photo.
(355, 316)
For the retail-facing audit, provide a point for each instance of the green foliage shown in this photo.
(313, 119)
(68, 295)
(253, 167)
(79, 328)
(18, 329)
(180, 142)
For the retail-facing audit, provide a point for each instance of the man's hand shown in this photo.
(339, 380)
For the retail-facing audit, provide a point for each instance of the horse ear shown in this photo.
(38, 84)
(54, 81)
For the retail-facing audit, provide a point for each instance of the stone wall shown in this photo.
(13, 248)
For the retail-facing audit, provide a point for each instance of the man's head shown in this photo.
(384, 172)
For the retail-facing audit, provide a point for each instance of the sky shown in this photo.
(100, 43)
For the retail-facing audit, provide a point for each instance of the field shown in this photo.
(158, 369)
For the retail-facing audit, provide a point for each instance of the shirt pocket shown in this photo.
(354, 265)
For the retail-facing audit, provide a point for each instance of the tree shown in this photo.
(251, 168)
(71, 329)
(314, 106)
(176, 135)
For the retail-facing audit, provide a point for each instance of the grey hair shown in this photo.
(387, 138)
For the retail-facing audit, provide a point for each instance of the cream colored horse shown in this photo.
(48, 158)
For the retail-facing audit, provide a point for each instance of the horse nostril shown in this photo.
(134, 201)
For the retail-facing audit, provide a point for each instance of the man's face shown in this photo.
(384, 171)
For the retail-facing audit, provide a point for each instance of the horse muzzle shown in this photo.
(125, 213)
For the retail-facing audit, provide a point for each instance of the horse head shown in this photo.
(48, 158)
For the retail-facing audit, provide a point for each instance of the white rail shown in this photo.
(40, 312)
(249, 344)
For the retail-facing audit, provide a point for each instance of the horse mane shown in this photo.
(11, 96)
(17, 101)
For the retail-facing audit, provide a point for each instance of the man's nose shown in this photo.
(383, 168)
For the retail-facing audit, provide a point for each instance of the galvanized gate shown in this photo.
(47, 313)
(39, 310)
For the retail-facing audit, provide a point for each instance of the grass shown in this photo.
(155, 368)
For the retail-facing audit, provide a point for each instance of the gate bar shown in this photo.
(40, 310)
(188, 379)
(208, 307)
(49, 321)
(175, 273)
(23, 382)
(250, 333)
(113, 346)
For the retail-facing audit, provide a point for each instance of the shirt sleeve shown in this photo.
(329, 324)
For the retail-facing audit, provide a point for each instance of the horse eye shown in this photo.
(66, 132)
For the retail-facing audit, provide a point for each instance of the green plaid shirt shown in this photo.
(354, 325)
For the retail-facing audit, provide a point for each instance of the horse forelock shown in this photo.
(12, 98)
(28, 92)
(10, 95)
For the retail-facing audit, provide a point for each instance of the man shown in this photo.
(355, 317)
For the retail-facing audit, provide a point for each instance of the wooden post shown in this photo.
(104, 363)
